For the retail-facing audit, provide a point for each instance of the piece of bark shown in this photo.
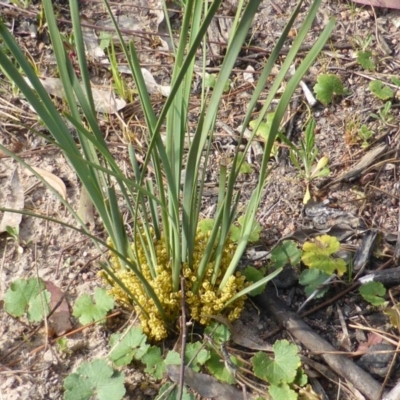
(342, 365)
(388, 277)
(356, 170)
(364, 251)
(206, 385)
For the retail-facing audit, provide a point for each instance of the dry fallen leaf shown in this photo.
(104, 99)
(54, 181)
(60, 322)
(92, 42)
(106, 102)
(152, 86)
(373, 339)
(86, 209)
(14, 198)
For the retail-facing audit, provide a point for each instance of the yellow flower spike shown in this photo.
(205, 302)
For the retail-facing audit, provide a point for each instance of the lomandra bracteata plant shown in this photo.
(168, 252)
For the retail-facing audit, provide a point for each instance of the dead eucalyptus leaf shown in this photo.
(60, 322)
(106, 102)
(14, 198)
(248, 75)
(92, 43)
(152, 86)
(54, 181)
(104, 99)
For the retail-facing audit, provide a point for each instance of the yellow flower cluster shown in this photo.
(203, 304)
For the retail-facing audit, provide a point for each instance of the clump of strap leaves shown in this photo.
(165, 252)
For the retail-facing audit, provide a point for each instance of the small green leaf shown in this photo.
(39, 306)
(62, 345)
(365, 59)
(172, 358)
(217, 368)
(318, 254)
(301, 377)
(127, 346)
(328, 85)
(366, 133)
(312, 279)
(373, 292)
(88, 310)
(282, 392)
(379, 90)
(254, 234)
(286, 253)
(245, 168)
(394, 314)
(219, 333)
(254, 275)
(196, 354)
(323, 173)
(27, 296)
(105, 39)
(265, 127)
(395, 80)
(154, 362)
(210, 80)
(94, 380)
(206, 225)
(281, 369)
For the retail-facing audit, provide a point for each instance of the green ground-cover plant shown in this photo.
(366, 134)
(281, 371)
(327, 86)
(366, 57)
(166, 246)
(384, 115)
(120, 85)
(320, 256)
(380, 90)
(321, 262)
(304, 158)
(29, 297)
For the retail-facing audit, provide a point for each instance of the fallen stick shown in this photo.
(340, 364)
